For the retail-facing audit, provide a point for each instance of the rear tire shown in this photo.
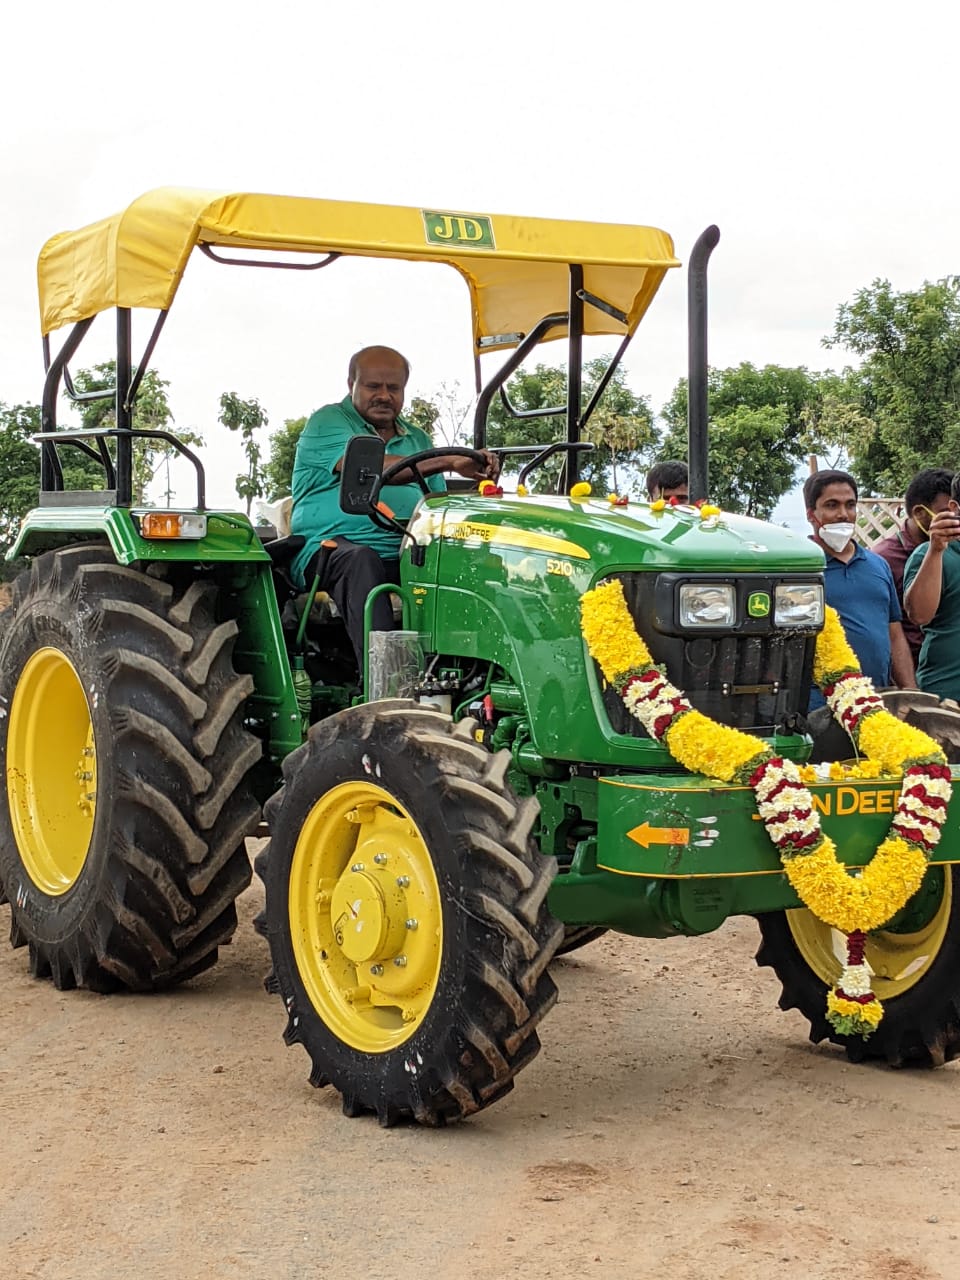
(394, 826)
(127, 802)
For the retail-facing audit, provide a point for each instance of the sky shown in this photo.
(816, 136)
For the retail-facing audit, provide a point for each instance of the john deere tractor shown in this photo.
(478, 797)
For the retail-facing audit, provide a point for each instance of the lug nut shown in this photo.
(403, 882)
(376, 970)
(412, 924)
(400, 961)
(357, 866)
(379, 859)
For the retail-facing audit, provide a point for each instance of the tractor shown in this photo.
(478, 798)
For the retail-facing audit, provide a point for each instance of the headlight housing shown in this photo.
(707, 604)
(798, 604)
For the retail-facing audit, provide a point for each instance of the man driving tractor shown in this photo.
(366, 554)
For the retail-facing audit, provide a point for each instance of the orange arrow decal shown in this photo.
(645, 835)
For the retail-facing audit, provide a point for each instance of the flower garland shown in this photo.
(854, 903)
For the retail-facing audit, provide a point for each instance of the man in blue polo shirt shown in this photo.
(857, 583)
(365, 555)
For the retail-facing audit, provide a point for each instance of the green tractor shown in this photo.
(487, 800)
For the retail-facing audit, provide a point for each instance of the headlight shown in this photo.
(707, 605)
(798, 604)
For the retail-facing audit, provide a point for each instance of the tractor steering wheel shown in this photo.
(411, 464)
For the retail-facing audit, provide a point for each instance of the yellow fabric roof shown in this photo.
(516, 268)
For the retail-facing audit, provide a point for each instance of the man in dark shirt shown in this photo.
(927, 494)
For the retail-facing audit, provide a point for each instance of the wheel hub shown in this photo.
(368, 911)
(51, 771)
(365, 916)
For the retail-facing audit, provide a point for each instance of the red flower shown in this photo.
(869, 999)
(912, 835)
(856, 942)
(799, 843)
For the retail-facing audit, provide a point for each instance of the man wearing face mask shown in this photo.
(928, 493)
(932, 595)
(857, 583)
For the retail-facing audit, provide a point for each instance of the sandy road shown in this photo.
(675, 1125)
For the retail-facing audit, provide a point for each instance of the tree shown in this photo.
(151, 412)
(247, 417)
(445, 418)
(278, 469)
(760, 427)
(748, 470)
(836, 429)
(422, 413)
(621, 426)
(908, 379)
(20, 468)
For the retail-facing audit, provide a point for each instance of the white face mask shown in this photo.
(836, 536)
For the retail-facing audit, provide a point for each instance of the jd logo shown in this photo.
(758, 604)
(467, 231)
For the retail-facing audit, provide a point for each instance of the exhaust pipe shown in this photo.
(697, 362)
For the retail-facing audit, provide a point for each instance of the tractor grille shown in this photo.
(751, 676)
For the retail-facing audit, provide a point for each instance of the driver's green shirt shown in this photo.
(316, 486)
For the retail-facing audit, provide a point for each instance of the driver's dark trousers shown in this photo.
(348, 573)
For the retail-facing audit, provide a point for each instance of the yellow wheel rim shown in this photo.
(898, 960)
(365, 917)
(51, 771)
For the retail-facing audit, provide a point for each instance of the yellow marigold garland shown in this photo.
(854, 903)
(703, 746)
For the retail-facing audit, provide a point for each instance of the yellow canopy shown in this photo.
(516, 268)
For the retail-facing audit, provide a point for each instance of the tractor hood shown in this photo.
(605, 536)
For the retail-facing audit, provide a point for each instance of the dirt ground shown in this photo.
(676, 1124)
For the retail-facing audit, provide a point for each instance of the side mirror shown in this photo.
(360, 474)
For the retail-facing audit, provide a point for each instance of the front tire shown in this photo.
(125, 759)
(916, 958)
(406, 913)
(916, 963)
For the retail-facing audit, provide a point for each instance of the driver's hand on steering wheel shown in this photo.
(471, 470)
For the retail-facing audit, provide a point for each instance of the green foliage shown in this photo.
(151, 412)
(423, 414)
(20, 468)
(836, 428)
(621, 426)
(247, 417)
(762, 422)
(278, 469)
(908, 384)
(748, 470)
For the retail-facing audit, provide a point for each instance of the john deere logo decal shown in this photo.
(758, 604)
(466, 231)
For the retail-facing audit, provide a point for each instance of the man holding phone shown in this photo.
(931, 583)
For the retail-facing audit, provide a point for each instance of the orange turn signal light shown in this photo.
(172, 524)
